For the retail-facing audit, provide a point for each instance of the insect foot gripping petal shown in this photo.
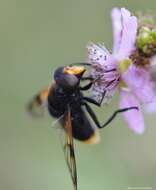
(116, 113)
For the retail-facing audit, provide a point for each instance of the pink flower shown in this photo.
(115, 70)
(104, 71)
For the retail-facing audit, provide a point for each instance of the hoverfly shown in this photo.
(65, 101)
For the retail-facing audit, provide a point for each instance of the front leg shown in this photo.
(86, 87)
(89, 85)
(92, 101)
(87, 78)
(81, 63)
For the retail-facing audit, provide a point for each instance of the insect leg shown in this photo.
(92, 101)
(115, 114)
(86, 87)
(93, 116)
(89, 85)
(81, 63)
(87, 78)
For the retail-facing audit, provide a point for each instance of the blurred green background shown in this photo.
(35, 38)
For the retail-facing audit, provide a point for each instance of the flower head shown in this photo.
(145, 46)
(116, 70)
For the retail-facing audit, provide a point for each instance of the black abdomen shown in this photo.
(81, 125)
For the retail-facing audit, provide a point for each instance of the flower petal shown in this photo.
(134, 118)
(138, 81)
(117, 28)
(97, 53)
(129, 32)
(106, 80)
(151, 107)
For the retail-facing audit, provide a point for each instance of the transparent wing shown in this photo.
(38, 104)
(68, 148)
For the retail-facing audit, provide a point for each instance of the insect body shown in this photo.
(67, 93)
(66, 102)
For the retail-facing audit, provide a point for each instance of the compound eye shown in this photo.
(71, 81)
(65, 80)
